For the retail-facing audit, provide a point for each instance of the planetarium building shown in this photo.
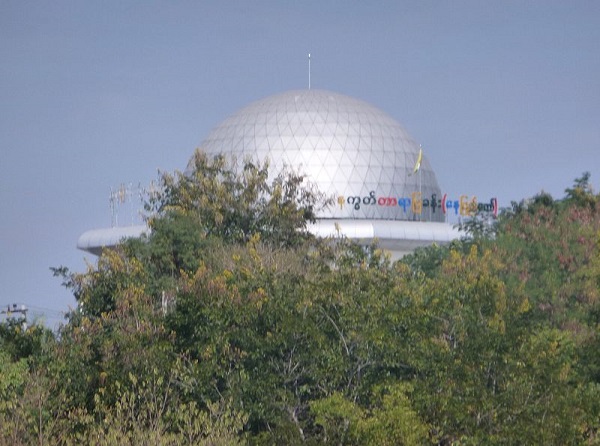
(383, 187)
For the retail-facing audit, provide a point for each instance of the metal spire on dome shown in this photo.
(309, 71)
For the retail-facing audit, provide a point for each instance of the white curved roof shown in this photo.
(399, 237)
(351, 151)
(95, 240)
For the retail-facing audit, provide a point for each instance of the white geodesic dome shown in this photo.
(353, 152)
(350, 150)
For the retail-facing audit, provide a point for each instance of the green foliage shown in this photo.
(13, 377)
(20, 341)
(228, 324)
(391, 419)
(581, 194)
(235, 204)
(339, 418)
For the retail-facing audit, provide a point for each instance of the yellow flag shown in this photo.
(418, 163)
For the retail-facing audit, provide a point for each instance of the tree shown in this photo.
(234, 204)
(581, 193)
(229, 323)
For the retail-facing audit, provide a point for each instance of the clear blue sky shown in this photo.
(504, 96)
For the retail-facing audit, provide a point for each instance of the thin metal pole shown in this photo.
(420, 188)
(309, 71)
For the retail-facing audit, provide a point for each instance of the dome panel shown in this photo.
(347, 147)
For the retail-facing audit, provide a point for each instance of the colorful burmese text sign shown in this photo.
(465, 205)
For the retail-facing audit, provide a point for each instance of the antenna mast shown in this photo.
(309, 71)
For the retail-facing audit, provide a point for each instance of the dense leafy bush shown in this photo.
(230, 324)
